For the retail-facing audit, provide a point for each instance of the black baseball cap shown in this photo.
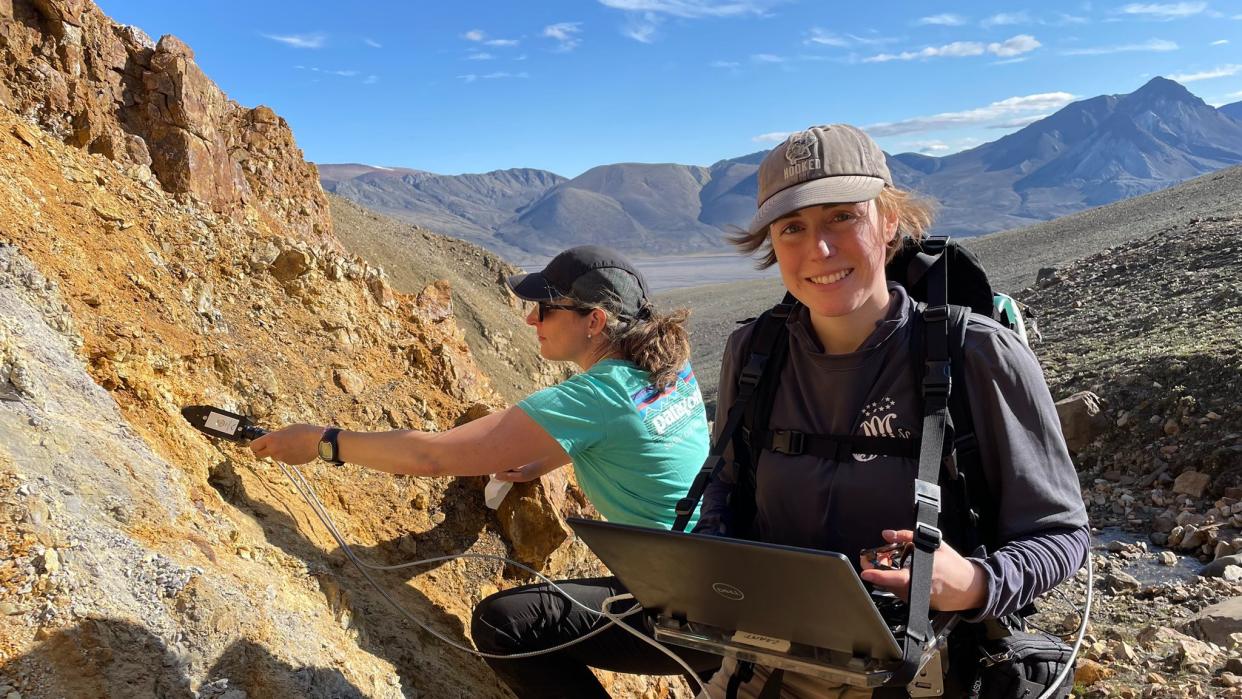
(588, 274)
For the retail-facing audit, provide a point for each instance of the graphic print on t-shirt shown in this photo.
(666, 411)
(878, 418)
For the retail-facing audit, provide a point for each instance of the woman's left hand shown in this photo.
(956, 584)
(295, 444)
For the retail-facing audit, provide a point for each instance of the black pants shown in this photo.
(535, 617)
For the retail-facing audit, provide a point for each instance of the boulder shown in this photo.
(1215, 623)
(531, 523)
(1081, 419)
(435, 302)
(1192, 483)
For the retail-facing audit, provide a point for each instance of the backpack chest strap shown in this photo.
(836, 447)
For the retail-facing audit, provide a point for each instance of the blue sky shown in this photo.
(468, 86)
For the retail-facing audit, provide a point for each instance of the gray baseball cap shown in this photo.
(833, 164)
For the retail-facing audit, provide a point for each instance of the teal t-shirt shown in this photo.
(635, 449)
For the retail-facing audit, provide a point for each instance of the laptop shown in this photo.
(799, 609)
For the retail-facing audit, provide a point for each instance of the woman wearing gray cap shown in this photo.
(632, 423)
(831, 218)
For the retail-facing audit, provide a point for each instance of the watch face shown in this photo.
(326, 451)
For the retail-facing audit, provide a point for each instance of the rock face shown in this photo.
(137, 557)
(110, 90)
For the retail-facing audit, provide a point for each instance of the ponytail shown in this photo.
(658, 343)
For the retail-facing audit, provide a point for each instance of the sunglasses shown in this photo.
(544, 307)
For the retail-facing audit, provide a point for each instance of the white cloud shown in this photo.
(823, 38)
(926, 147)
(1164, 11)
(642, 33)
(342, 73)
(945, 20)
(693, 9)
(1219, 42)
(480, 56)
(499, 75)
(1014, 46)
(300, 41)
(767, 58)
(372, 43)
(371, 80)
(480, 36)
(724, 64)
(1235, 94)
(1152, 45)
(1007, 18)
(566, 33)
(642, 29)
(1220, 72)
(773, 137)
(956, 49)
(1006, 110)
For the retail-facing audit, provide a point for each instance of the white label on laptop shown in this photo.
(766, 642)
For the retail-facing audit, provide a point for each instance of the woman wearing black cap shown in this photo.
(632, 423)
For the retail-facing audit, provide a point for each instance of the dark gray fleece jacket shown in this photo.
(843, 505)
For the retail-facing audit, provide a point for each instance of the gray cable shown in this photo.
(1082, 631)
(308, 493)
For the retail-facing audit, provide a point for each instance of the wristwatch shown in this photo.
(328, 449)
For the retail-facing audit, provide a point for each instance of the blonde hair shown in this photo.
(914, 217)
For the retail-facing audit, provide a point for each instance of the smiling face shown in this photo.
(832, 259)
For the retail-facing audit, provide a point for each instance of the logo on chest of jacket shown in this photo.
(877, 421)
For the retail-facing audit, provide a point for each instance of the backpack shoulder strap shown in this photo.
(767, 341)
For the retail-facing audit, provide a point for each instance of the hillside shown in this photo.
(490, 317)
(1091, 152)
(470, 207)
(196, 263)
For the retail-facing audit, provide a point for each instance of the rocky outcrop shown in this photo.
(111, 90)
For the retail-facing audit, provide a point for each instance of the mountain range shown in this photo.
(1089, 153)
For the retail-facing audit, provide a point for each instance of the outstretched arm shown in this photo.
(499, 442)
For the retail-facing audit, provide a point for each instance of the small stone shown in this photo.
(9, 609)
(1168, 558)
(1232, 573)
(1155, 678)
(51, 562)
(1089, 672)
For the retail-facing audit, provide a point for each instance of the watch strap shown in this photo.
(333, 448)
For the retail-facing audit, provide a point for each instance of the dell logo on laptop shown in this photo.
(728, 591)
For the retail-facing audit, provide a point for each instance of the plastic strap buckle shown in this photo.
(936, 314)
(685, 507)
(753, 370)
(939, 378)
(927, 493)
(926, 537)
(787, 442)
